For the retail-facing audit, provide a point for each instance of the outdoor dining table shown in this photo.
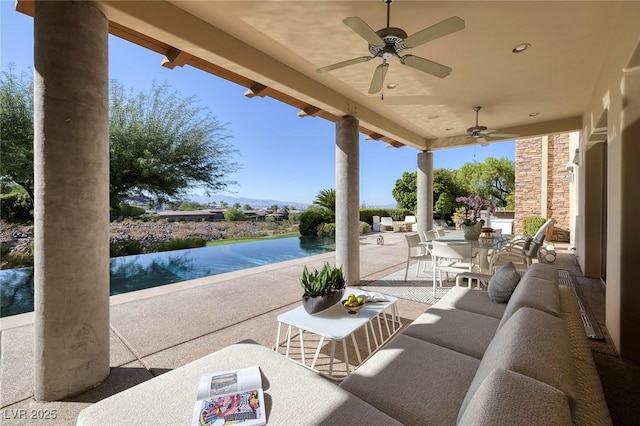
(480, 246)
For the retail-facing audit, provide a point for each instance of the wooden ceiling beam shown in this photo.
(175, 58)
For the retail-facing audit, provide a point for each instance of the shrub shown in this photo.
(16, 206)
(327, 230)
(17, 260)
(4, 250)
(365, 228)
(366, 215)
(177, 245)
(531, 225)
(313, 217)
(233, 214)
(125, 248)
(149, 217)
(124, 210)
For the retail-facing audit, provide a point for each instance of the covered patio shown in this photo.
(582, 73)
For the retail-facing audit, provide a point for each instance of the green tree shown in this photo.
(247, 207)
(16, 122)
(326, 198)
(493, 180)
(162, 144)
(405, 191)
(445, 190)
(233, 214)
(191, 205)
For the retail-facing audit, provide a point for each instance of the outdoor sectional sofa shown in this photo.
(466, 360)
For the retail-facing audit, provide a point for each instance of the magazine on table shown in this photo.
(372, 296)
(230, 397)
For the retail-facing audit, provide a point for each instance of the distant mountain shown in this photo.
(255, 203)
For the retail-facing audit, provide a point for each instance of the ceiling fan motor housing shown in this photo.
(393, 42)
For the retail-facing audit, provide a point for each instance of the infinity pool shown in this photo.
(131, 273)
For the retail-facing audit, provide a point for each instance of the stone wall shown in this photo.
(529, 164)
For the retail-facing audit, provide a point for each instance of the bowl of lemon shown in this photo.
(353, 304)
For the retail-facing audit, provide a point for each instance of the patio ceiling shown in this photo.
(280, 44)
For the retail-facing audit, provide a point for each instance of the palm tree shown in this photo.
(327, 199)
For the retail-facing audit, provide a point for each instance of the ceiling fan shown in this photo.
(481, 132)
(389, 42)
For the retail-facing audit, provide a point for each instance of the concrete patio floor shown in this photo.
(156, 330)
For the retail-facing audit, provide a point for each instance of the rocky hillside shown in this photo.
(18, 237)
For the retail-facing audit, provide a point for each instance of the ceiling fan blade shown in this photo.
(502, 135)
(378, 78)
(438, 30)
(426, 65)
(482, 141)
(364, 30)
(345, 63)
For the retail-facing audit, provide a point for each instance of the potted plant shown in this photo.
(471, 226)
(322, 289)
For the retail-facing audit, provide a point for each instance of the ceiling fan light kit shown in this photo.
(389, 42)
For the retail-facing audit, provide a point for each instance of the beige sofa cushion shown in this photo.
(461, 331)
(532, 292)
(294, 395)
(471, 300)
(532, 343)
(413, 381)
(509, 398)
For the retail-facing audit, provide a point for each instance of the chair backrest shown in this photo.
(386, 220)
(410, 219)
(376, 219)
(413, 240)
(429, 235)
(540, 234)
(440, 232)
(453, 250)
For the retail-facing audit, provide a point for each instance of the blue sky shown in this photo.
(283, 157)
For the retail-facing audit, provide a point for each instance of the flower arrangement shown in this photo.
(472, 207)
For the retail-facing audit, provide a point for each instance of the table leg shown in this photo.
(366, 333)
(373, 333)
(355, 345)
(288, 341)
(332, 354)
(277, 347)
(315, 358)
(346, 355)
(304, 362)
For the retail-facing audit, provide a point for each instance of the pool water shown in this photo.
(131, 273)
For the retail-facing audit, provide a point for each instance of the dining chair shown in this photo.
(521, 259)
(452, 257)
(416, 251)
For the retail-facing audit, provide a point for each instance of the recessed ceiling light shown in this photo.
(392, 85)
(521, 47)
(533, 114)
(433, 117)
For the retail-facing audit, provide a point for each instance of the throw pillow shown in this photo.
(502, 283)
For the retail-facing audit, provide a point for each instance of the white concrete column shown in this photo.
(347, 198)
(424, 211)
(71, 164)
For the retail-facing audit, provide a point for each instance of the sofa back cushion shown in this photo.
(508, 398)
(503, 283)
(534, 292)
(532, 343)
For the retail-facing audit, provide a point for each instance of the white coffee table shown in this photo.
(337, 325)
